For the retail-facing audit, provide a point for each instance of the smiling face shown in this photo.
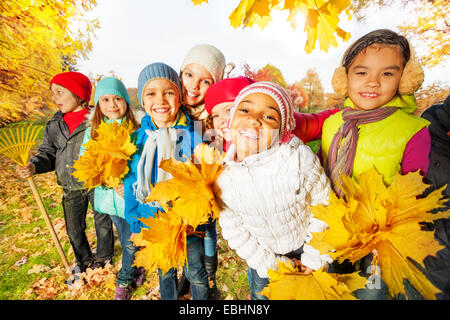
(195, 80)
(65, 99)
(255, 125)
(374, 76)
(112, 106)
(219, 115)
(161, 101)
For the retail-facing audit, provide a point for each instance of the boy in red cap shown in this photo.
(60, 148)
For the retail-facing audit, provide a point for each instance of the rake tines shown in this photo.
(17, 141)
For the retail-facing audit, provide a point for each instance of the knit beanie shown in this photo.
(110, 85)
(157, 70)
(76, 82)
(281, 97)
(209, 57)
(225, 91)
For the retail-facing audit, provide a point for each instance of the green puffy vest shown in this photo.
(380, 144)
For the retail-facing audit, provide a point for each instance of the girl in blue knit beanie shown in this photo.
(113, 105)
(166, 132)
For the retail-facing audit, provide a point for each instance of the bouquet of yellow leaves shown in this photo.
(188, 200)
(287, 283)
(374, 218)
(105, 158)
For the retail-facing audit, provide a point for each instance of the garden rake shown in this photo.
(16, 143)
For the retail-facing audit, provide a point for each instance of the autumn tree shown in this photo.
(299, 96)
(431, 29)
(38, 39)
(429, 95)
(266, 73)
(333, 100)
(313, 87)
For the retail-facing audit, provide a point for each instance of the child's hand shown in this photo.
(27, 171)
(120, 190)
(190, 231)
(301, 267)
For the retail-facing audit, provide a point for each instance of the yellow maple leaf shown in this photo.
(198, 2)
(191, 190)
(321, 18)
(373, 216)
(287, 283)
(105, 160)
(163, 244)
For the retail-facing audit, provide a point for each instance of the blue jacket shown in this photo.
(133, 208)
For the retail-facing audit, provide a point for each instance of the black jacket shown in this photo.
(437, 268)
(58, 151)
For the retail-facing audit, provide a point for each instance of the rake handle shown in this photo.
(40, 203)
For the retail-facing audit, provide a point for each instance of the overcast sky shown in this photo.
(135, 33)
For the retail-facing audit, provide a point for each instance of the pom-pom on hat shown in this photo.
(76, 82)
(282, 99)
(157, 70)
(225, 91)
(110, 85)
(209, 57)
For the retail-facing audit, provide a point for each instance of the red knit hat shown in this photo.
(76, 82)
(225, 91)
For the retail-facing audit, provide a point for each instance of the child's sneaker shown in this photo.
(123, 292)
(139, 277)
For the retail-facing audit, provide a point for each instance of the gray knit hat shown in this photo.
(157, 70)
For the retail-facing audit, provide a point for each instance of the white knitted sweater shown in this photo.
(266, 200)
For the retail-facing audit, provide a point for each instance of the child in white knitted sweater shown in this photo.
(270, 179)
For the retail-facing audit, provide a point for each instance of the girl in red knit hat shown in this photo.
(60, 148)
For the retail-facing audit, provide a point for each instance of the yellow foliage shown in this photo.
(190, 191)
(321, 23)
(105, 159)
(188, 199)
(163, 245)
(386, 219)
(287, 283)
(37, 38)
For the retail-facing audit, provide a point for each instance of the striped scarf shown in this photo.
(341, 156)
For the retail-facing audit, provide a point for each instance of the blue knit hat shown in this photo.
(110, 85)
(157, 70)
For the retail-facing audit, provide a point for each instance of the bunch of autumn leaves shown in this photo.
(370, 217)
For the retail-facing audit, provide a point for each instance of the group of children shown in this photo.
(270, 176)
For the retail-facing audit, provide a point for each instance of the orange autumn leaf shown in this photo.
(163, 244)
(322, 18)
(190, 191)
(287, 283)
(105, 160)
(386, 219)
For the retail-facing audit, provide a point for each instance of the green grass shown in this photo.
(24, 235)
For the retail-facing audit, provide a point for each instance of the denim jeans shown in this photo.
(256, 283)
(126, 273)
(210, 240)
(376, 289)
(195, 272)
(75, 204)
